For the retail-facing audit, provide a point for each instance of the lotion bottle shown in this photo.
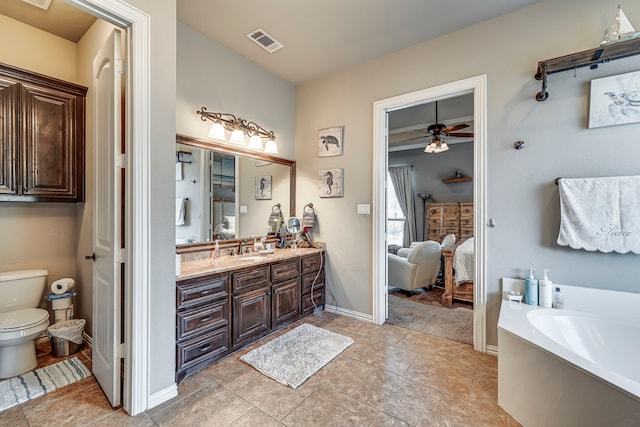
(546, 291)
(531, 289)
(558, 298)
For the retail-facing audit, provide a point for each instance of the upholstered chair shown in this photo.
(419, 269)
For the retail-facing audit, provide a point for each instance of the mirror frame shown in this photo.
(227, 149)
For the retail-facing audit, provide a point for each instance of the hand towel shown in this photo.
(179, 171)
(181, 210)
(600, 214)
(308, 217)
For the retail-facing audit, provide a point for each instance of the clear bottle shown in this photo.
(558, 298)
(216, 251)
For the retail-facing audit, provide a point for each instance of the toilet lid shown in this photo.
(21, 319)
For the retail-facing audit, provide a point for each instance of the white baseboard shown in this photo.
(349, 313)
(492, 350)
(163, 395)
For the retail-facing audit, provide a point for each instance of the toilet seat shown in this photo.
(22, 319)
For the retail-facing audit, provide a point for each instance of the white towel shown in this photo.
(179, 171)
(181, 210)
(600, 214)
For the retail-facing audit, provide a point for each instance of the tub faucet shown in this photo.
(242, 242)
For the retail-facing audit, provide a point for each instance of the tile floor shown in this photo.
(390, 376)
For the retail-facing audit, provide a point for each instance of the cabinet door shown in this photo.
(286, 302)
(8, 137)
(50, 157)
(251, 314)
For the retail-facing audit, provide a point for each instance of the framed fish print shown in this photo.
(263, 187)
(330, 141)
(330, 183)
(615, 100)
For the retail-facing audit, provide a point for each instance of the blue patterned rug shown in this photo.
(22, 388)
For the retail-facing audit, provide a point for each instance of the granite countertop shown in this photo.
(201, 267)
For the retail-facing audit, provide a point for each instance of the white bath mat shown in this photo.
(16, 390)
(293, 357)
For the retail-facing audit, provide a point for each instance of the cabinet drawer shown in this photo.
(202, 347)
(201, 290)
(211, 316)
(285, 270)
(311, 263)
(307, 281)
(250, 278)
(318, 299)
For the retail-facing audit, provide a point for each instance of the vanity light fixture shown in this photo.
(240, 129)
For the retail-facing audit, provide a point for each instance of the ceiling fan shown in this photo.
(437, 130)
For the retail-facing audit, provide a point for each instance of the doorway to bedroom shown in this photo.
(429, 206)
(430, 218)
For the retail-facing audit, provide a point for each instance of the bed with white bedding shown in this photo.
(459, 267)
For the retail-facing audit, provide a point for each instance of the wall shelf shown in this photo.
(591, 58)
(463, 179)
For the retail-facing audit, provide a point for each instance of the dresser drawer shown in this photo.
(307, 281)
(196, 320)
(285, 270)
(201, 290)
(250, 278)
(311, 263)
(318, 299)
(202, 348)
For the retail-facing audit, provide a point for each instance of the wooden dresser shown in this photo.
(224, 309)
(449, 218)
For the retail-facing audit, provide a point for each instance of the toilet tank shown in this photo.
(21, 289)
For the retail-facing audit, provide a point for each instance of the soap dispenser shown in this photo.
(531, 289)
(545, 291)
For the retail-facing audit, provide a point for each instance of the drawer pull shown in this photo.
(205, 319)
(205, 348)
(206, 292)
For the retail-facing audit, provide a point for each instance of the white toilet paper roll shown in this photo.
(62, 285)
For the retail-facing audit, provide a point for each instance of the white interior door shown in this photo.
(106, 218)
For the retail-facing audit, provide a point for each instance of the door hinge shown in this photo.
(121, 160)
(121, 255)
(120, 351)
(121, 66)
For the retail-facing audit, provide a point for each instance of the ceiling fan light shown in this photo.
(217, 131)
(237, 136)
(255, 142)
(444, 146)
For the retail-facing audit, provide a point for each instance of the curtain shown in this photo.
(401, 179)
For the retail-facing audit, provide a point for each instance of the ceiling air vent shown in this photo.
(42, 4)
(264, 40)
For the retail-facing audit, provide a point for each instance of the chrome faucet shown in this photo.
(242, 242)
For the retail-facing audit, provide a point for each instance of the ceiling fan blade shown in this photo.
(461, 134)
(455, 128)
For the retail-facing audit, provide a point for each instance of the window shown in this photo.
(395, 217)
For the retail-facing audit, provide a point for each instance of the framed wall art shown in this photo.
(263, 187)
(330, 141)
(615, 100)
(330, 183)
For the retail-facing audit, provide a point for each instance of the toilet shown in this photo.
(21, 322)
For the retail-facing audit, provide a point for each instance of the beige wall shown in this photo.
(521, 195)
(38, 235)
(36, 50)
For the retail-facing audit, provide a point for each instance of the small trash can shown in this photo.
(66, 337)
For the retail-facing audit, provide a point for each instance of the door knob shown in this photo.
(92, 257)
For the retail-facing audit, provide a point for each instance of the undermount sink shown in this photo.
(250, 258)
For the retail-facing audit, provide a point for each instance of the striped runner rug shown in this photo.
(22, 388)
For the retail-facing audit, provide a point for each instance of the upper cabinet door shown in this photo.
(49, 146)
(42, 126)
(8, 149)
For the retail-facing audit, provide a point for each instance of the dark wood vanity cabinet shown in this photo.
(42, 134)
(220, 313)
(203, 322)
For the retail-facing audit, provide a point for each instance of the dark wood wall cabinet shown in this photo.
(42, 134)
(223, 312)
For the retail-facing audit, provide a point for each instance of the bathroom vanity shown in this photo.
(225, 304)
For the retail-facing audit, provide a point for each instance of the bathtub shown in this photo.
(574, 367)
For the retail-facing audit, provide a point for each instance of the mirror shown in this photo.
(294, 225)
(227, 193)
